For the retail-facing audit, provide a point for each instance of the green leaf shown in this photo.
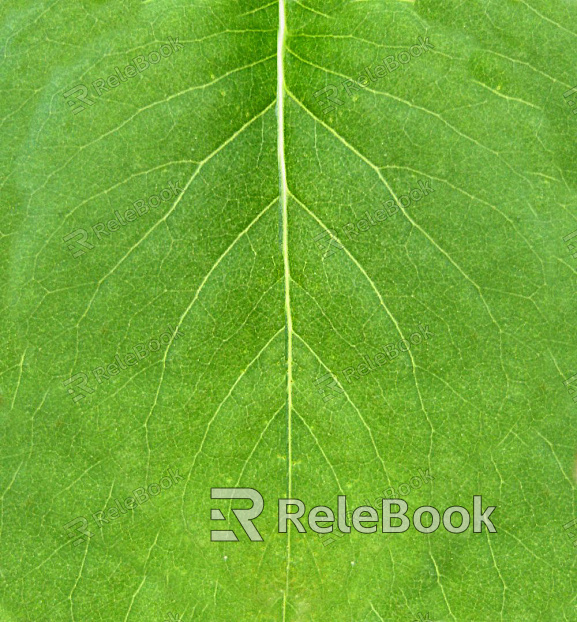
(217, 255)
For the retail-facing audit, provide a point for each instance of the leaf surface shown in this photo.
(253, 299)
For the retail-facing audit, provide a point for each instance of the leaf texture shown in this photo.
(270, 281)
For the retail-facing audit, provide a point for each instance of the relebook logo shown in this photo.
(364, 519)
(80, 94)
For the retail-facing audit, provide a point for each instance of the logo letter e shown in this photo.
(244, 517)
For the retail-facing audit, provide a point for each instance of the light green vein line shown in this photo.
(351, 37)
(285, 253)
(473, 197)
(376, 612)
(316, 440)
(225, 341)
(266, 427)
(548, 19)
(21, 578)
(215, 415)
(422, 109)
(350, 401)
(143, 578)
(141, 110)
(559, 463)
(306, 8)
(78, 579)
(284, 216)
(439, 582)
(521, 62)
(542, 560)
(99, 194)
(168, 212)
(505, 96)
(327, 318)
(260, 8)
(500, 575)
(567, 265)
(4, 494)
(28, 25)
(74, 482)
(415, 224)
(387, 311)
(184, 315)
(21, 366)
(227, 32)
(32, 419)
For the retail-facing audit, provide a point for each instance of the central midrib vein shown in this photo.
(285, 253)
